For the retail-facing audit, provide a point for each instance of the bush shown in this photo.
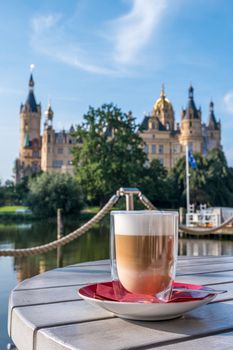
(50, 191)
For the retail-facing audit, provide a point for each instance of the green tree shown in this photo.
(2, 194)
(109, 153)
(211, 182)
(49, 191)
(155, 185)
(219, 179)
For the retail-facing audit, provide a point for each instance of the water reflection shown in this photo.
(204, 247)
(94, 245)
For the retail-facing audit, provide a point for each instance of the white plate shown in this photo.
(147, 311)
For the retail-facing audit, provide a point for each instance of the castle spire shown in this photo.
(31, 80)
(191, 89)
(162, 93)
(49, 114)
(30, 104)
(212, 120)
(191, 111)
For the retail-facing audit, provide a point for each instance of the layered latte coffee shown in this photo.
(145, 252)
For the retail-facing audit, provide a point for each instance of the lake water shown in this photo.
(94, 245)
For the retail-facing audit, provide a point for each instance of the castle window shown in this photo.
(35, 154)
(190, 132)
(60, 138)
(153, 149)
(60, 150)
(57, 163)
(160, 149)
(153, 125)
(190, 146)
(212, 135)
(190, 124)
(161, 161)
(70, 141)
(49, 138)
(167, 126)
(146, 149)
(34, 166)
(175, 148)
(153, 136)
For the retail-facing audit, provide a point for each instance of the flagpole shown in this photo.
(187, 180)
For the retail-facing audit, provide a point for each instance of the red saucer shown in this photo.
(114, 291)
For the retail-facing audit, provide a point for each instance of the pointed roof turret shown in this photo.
(30, 103)
(72, 129)
(31, 82)
(191, 111)
(212, 120)
(49, 116)
(191, 89)
(49, 112)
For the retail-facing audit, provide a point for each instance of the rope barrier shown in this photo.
(108, 206)
(64, 240)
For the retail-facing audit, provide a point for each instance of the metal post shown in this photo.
(187, 181)
(129, 202)
(129, 196)
(59, 235)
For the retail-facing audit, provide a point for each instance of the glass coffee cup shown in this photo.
(144, 251)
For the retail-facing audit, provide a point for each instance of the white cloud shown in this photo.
(44, 22)
(129, 35)
(133, 31)
(49, 38)
(228, 102)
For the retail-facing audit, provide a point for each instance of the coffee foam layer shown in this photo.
(145, 224)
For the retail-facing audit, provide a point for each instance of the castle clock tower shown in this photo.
(29, 161)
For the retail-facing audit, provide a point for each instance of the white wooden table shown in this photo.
(45, 312)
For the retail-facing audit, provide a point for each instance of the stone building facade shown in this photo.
(166, 140)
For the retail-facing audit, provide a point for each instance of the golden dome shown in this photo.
(162, 102)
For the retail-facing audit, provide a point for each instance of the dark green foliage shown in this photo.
(211, 182)
(155, 185)
(110, 154)
(50, 191)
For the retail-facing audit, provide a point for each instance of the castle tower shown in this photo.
(30, 140)
(48, 140)
(213, 130)
(163, 110)
(191, 127)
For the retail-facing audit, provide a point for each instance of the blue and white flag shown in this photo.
(192, 160)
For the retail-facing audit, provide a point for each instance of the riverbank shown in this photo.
(21, 214)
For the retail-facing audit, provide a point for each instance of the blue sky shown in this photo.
(88, 52)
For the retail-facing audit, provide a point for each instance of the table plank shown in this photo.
(219, 341)
(66, 277)
(123, 334)
(26, 320)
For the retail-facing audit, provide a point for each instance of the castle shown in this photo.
(164, 139)
(49, 152)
